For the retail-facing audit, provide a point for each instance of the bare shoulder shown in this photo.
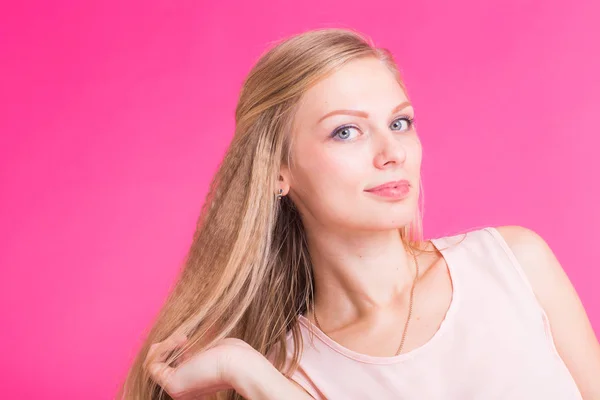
(543, 270)
(535, 257)
(571, 329)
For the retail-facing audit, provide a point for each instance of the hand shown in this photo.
(199, 374)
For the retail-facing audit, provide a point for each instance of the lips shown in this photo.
(389, 185)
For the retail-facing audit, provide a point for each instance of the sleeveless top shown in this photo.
(494, 342)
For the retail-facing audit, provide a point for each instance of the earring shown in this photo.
(279, 194)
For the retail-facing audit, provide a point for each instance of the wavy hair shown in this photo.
(248, 272)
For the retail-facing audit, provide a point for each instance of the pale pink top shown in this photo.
(494, 343)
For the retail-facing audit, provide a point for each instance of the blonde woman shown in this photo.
(308, 276)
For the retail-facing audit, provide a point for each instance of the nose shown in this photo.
(389, 150)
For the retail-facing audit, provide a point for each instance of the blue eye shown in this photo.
(345, 129)
(409, 122)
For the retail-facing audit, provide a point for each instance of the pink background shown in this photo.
(114, 117)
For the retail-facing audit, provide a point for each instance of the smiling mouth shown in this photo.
(391, 185)
(395, 191)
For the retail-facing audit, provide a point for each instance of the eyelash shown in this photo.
(341, 128)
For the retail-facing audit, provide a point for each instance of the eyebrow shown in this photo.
(363, 114)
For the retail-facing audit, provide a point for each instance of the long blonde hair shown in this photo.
(248, 272)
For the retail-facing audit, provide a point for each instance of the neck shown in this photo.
(359, 275)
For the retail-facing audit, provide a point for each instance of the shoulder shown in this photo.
(571, 330)
(531, 250)
(538, 262)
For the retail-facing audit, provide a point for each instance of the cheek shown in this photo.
(337, 172)
(416, 149)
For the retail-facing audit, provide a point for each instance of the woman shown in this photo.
(308, 276)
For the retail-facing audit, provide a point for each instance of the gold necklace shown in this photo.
(410, 306)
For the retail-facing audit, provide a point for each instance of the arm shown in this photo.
(258, 379)
(573, 335)
(230, 364)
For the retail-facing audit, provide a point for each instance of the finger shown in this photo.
(176, 343)
(204, 374)
(162, 374)
(176, 381)
(159, 351)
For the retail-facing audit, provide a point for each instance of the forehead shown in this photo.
(365, 84)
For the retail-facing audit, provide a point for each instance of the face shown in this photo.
(340, 155)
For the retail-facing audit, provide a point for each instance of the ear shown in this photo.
(284, 180)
